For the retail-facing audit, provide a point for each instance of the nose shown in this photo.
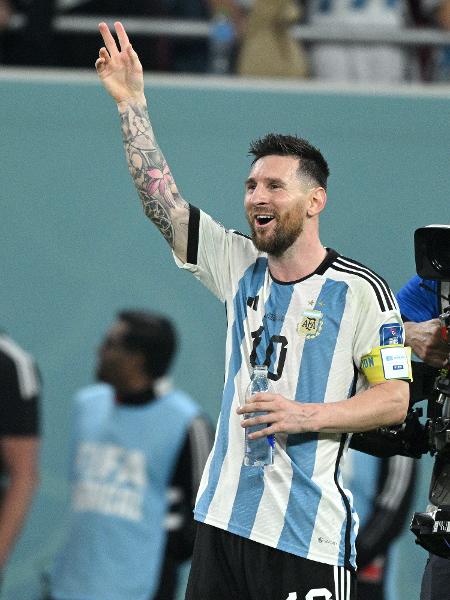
(258, 195)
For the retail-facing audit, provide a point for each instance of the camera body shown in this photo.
(432, 252)
(414, 438)
(432, 528)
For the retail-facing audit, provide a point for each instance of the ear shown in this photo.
(317, 201)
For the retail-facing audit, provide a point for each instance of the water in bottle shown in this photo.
(258, 453)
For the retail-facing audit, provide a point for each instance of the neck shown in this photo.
(135, 398)
(299, 261)
(133, 383)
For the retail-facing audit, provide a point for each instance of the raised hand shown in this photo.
(120, 70)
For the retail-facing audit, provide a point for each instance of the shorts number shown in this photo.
(322, 593)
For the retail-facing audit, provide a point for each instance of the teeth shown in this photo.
(264, 218)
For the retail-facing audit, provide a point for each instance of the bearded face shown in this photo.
(276, 200)
(275, 231)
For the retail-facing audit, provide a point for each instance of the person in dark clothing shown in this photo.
(20, 389)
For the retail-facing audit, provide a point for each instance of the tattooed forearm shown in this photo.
(160, 198)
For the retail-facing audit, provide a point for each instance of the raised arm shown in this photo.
(120, 72)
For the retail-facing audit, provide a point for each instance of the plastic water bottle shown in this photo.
(258, 453)
(221, 42)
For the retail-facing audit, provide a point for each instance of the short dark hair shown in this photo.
(311, 162)
(154, 336)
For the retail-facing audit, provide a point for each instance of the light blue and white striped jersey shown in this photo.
(312, 334)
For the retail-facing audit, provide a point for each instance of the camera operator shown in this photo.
(421, 302)
(420, 308)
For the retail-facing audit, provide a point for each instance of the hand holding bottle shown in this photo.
(258, 452)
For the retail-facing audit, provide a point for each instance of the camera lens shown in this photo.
(439, 253)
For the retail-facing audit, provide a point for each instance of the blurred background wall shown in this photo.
(75, 246)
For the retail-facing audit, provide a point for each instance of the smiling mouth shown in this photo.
(262, 220)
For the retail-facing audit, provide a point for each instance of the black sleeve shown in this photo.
(193, 234)
(19, 391)
(184, 486)
(182, 492)
(395, 489)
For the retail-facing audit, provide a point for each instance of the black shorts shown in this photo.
(229, 567)
(436, 579)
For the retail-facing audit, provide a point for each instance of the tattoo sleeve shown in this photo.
(161, 201)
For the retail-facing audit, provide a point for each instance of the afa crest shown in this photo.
(311, 324)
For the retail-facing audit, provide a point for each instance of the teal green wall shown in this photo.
(75, 246)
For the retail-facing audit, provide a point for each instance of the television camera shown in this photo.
(414, 437)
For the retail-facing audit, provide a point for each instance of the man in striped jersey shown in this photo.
(19, 440)
(329, 331)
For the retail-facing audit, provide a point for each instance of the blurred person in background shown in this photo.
(383, 490)
(138, 451)
(363, 62)
(262, 44)
(236, 10)
(268, 48)
(30, 43)
(20, 389)
(5, 12)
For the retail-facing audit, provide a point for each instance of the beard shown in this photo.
(283, 235)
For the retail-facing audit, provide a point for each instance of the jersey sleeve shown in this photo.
(418, 303)
(215, 255)
(378, 324)
(20, 388)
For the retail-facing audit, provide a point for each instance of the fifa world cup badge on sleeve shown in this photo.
(391, 333)
(387, 362)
